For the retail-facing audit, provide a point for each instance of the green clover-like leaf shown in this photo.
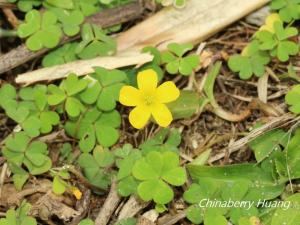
(157, 170)
(288, 9)
(60, 56)
(66, 93)
(94, 166)
(94, 127)
(41, 30)
(251, 61)
(277, 43)
(104, 88)
(165, 140)
(176, 62)
(70, 20)
(8, 96)
(95, 43)
(26, 5)
(19, 150)
(87, 7)
(126, 158)
(19, 216)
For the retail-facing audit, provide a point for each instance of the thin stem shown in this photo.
(7, 33)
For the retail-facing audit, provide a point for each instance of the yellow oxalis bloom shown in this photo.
(77, 193)
(270, 20)
(149, 100)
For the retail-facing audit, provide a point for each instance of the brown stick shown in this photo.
(11, 17)
(106, 18)
(110, 204)
(5, 4)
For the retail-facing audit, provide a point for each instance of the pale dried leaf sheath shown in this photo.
(83, 67)
(193, 24)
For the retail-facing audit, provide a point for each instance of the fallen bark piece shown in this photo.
(192, 24)
(170, 219)
(110, 204)
(106, 18)
(50, 205)
(132, 207)
(83, 67)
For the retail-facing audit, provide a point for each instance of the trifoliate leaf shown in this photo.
(95, 43)
(176, 62)
(41, 30)
(252, 61)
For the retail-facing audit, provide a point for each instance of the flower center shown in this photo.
(149, 99)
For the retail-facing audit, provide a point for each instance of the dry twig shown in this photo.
(110, 204)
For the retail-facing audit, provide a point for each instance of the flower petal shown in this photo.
(139, 116)
(167, 92)
(147, 80)
(161, 114)
(129, 96)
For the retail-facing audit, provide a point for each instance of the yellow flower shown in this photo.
(76, 192)
(149, 100)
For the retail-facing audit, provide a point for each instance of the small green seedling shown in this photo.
(66, 93)
(156, 171)
(40, 29)
(292, 99)
(60, 56)
(95, 43)
(278, 43)
(19, 216)
(288, 9)
(176, 61)
(251, 61)
(96, 166)
(60, 184)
